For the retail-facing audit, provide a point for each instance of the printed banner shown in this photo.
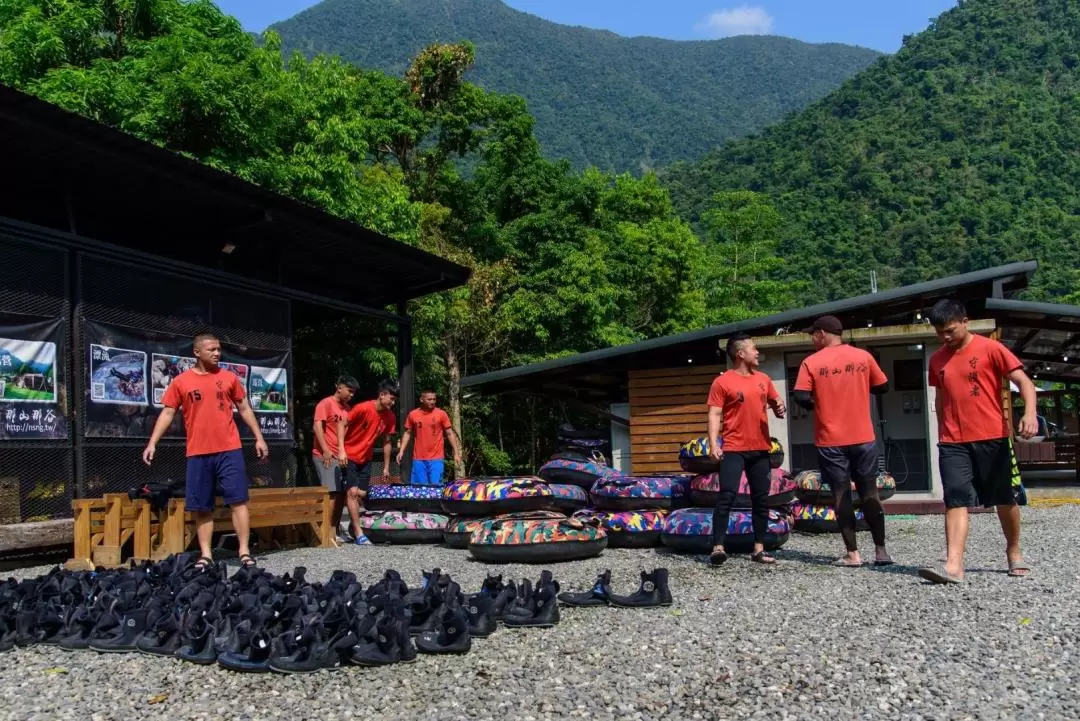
(130, 370)
(32, 391)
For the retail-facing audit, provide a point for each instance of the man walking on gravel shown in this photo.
(431, 427)
(836, 383)
(974, 452)
(328, 453)
(366, 424)
(206, 394)
(739, 440)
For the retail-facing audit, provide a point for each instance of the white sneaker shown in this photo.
(362, 540)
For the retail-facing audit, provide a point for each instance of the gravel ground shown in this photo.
(802, 640)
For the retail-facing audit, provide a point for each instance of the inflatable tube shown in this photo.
(635, 493)
(821, 519)
(689, 530)
(776, 453)
(459, 530)
(538, 537)
(493, 496)
(694, 457)
(705, 489)
(810, 489)
(403, 527)
(627, 529)
(415, 499)
(575, 470)
(568, 498)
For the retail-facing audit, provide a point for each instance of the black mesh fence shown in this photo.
(41, 282)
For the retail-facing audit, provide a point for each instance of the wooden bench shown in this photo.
(297, 511)
(104, 526)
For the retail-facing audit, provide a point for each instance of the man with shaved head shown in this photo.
(207, 394)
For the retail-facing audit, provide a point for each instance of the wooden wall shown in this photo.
(667, 408)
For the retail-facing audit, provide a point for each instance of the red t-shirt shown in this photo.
(969, 381)
(429, 430)
(840, 378)
(206, 400)
(327, 414)
(745, 403)
(364, 426)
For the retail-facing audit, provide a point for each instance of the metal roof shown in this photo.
(1046, 336)
(599, 376)
(79, 176)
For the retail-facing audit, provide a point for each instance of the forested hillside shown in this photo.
(960, 152)
(598, 98)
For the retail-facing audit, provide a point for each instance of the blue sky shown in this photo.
(878, 24)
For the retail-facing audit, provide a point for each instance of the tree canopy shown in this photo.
(564, 261)
(620, 104)
(960, 152)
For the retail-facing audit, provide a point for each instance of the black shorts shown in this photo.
(840, 465)
(357, 475)
(977, 473)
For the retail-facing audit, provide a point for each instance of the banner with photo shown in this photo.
(130, 369)
(33, 390)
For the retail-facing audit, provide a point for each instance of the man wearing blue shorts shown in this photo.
(429, 426)
(207, 394)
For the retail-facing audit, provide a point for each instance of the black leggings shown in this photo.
(758, 471)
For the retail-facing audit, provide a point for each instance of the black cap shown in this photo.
(827, 323)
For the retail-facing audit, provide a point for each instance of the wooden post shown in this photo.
(108, 553)
(407, 397)
(80, 558)
(140, 550)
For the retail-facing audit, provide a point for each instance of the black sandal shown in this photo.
(717, 558)
(204, 563)
(762, 557)
(247, 561)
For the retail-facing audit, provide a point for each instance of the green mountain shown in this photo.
(960, 152)
(598, 98)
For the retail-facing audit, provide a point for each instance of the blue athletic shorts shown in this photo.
(427, 473)
(214, 473)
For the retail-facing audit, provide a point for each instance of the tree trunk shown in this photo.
(453, 369)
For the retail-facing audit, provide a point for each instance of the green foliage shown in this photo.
(961, 152)
(563, 261)
(621, 104)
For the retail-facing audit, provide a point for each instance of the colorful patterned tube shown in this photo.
(689, 530)
(822, 519)
(694, 456)
(415, 499)
(568, 498)
(634, 493)
(627, 529)
(574, 470)
(810, 489)
(403, 527)
(536, 537)
(492, 496)
(705, 489)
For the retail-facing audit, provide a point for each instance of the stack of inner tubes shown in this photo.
(403, 514)
(472, 500)
(813, 511)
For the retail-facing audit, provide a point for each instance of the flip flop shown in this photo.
(1015, 567)
(844, 563)
(889, 562)
(717, 558)
(764, 558)
(204, 563)
(247, 561)
(939, 576)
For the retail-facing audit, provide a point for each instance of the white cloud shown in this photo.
(743, 20)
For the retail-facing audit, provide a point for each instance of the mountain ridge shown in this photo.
(620, 103)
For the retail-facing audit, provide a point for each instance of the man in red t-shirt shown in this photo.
(739, 439)
(366, 424)
(429, 425)
(974, 449)
(328, 453)
(836, 383)
(207, 394)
